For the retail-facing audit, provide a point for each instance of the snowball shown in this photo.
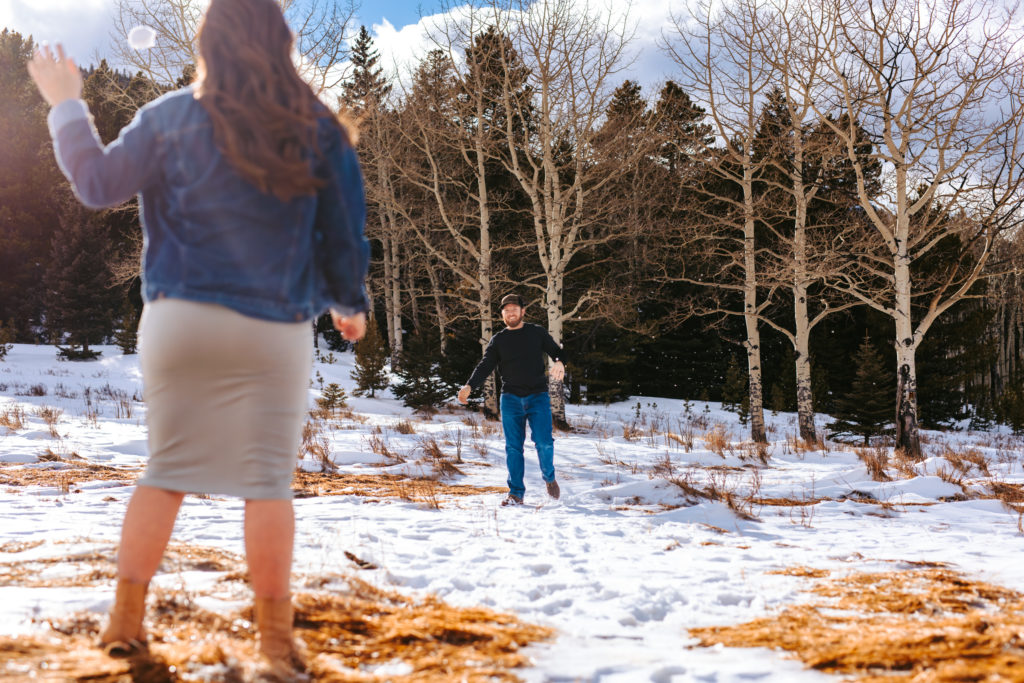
(142, 38)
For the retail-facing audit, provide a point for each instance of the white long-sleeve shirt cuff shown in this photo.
(66, 112)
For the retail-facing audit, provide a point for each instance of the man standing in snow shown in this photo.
(518, 353)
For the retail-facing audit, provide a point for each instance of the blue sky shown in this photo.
(398, 12)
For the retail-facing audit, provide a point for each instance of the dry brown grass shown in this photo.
(1012, 497)
(305, 484)
(344, 630)
(718, 439)
(717, 485)
(68, 475)
(965, 459)
(13, 418)
(379, 446)
(806, 572)
(875, 460)
(19, 546)
(923, 625)
(377, 486)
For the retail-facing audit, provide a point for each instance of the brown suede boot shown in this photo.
(125, 635)
(283, 661)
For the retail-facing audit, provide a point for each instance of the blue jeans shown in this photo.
(516, 411)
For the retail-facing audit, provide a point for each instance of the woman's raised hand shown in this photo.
(57, 78)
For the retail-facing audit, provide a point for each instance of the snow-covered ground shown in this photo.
(620, 567)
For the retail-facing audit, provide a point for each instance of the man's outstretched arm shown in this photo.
(484, 368)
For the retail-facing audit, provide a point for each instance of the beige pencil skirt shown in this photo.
(226, 397)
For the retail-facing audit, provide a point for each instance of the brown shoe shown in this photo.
(124, 635)
(282, 659)
(512, 500)
(553, 489)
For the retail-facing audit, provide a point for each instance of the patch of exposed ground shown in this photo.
(309, 484)
(65, 474)
(348, 627)
(923, 625)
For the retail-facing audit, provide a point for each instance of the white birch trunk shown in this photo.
(802, 326)
(908, 437)
(389, 317)
(553, 304)
(750, 317)
(395, 309)
(439, 311)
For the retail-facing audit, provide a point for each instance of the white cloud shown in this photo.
(402, 48)
(85, 26)
(82, 26)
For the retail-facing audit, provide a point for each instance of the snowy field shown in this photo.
(667, 521)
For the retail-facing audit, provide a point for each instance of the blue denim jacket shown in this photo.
(208, 234)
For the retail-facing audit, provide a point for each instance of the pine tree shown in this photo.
(777, 398)
(734, 391)
(332, 397)
(127, 334)
(370, 371)
(79, 300)
(6, 339)
(421, 386)
(28, 172)
(368, 87)
(869, 407)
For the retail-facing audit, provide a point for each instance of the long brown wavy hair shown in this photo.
(264, 115)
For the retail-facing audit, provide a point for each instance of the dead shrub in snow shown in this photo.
(316, 446)
(631, 433)
(320, 451)
(455, 441)
(923, 625)
(875, 460)
(799, 446)
(50, 416)
(719, 487)
(904, 465)
(752, 450)
(441, 464)
(380, 447)
(405, 427)
(965, 459)
(13, 418)
(1011, 495)
(718, 439)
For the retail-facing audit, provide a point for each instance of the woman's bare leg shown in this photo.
(269, 538)
(147, 528)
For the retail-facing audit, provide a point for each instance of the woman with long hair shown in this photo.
(252, 209)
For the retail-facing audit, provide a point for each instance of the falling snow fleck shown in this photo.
(142, 38)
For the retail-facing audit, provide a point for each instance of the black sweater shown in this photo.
(519, 357)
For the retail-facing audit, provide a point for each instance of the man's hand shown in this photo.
(464, 394)
(557, 371)
(57, 78)
(352, 327)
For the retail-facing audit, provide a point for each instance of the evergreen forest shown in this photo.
(767, 229)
